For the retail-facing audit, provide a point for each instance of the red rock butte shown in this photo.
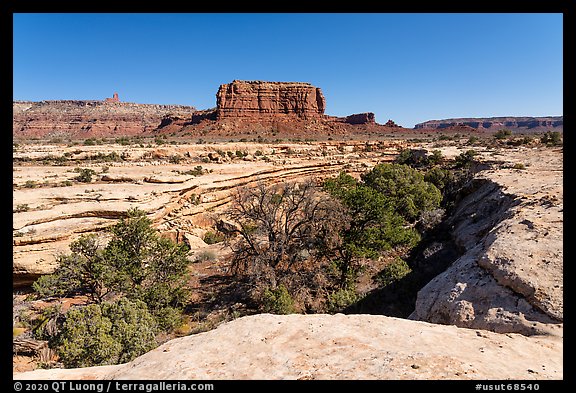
(260, 99)
(113, 99)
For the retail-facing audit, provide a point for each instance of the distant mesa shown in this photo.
(113, 99)
(528, 124)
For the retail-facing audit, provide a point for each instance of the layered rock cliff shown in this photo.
(495, 123)
(247, 99)
(72, 118)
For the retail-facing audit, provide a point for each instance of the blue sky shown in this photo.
(406, 67)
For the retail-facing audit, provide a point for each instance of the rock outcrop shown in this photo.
(535, 124)
(510, 276)
(256, 99)
(84, 119)
(391, 123)
(337, 347)
(361, 118)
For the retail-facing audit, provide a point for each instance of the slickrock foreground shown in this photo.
(336, 347)
(505, 293)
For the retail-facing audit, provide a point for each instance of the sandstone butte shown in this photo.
(261, 99)
(495, 313)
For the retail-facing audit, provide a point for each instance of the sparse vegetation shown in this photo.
(312, 247)
(393, 271)
(465, 160)
(84, 174)
(551, 138)
(212, 237)
(502, 134)
(106, 333)
(277, 301)
(22, 207)
(135, 284)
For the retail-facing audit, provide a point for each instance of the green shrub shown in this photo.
(551, 138)
(22, 207)
(211, 237)
(405, 188)
(440, 177)
(136, 263)
(465, 160)
(106, 333)
(277, 301)
(84, 174)
(472, 140)
(340, 299)
(175, 159)
(502, 134)
(123, 140)
(393, 272)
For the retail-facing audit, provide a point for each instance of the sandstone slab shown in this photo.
(341, 347)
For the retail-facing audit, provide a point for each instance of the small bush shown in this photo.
(84, 175)
(519, 165)
(107, 333)
(393, 272)
(465, 159)
(277, 301)
(551, 138)
(502, 134)
(30, 184)
(213, 237)
(205, 256)
(175, 159)
(472, 140)
(340, 299)
(23, 207)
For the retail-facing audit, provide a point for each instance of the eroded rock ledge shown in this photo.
(510, 275)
